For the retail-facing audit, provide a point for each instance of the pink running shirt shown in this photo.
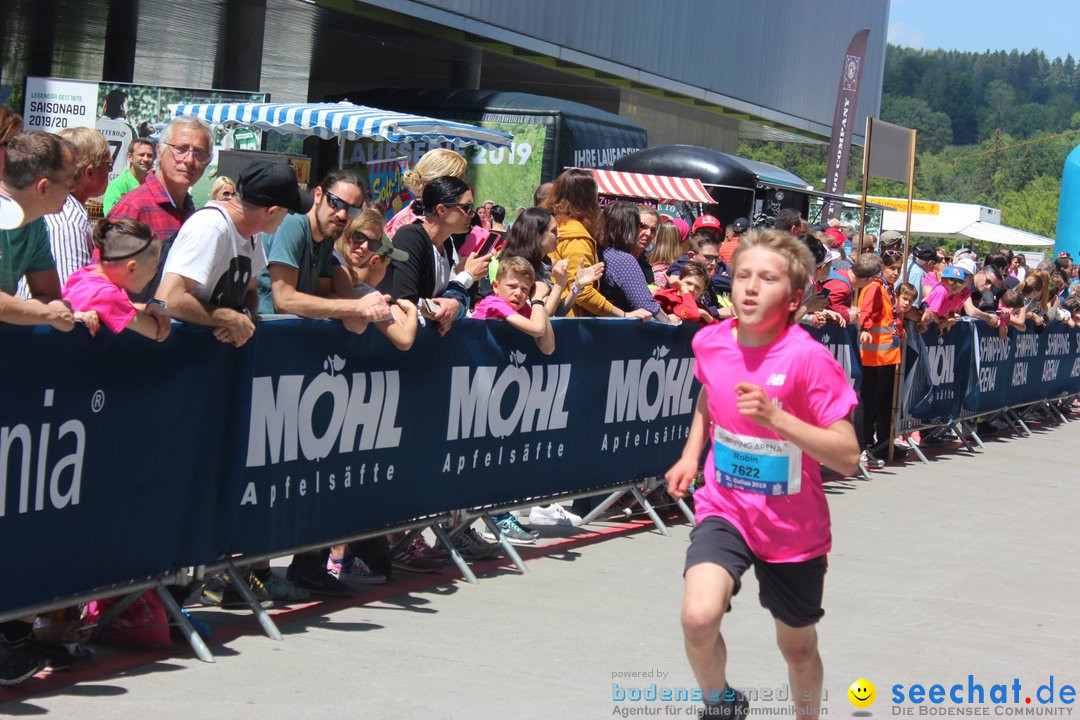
(800, 374)
(86, 290)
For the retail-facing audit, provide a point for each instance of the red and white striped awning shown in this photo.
(654, 187)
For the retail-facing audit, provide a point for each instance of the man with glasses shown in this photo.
(302, 277)
(163, 201)
(140, 160)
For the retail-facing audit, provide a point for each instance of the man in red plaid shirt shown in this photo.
(163, 202)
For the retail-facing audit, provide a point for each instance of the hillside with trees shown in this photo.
(994, 129)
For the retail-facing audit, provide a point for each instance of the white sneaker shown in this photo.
(553, 514)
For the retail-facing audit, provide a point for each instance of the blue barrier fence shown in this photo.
(132, 459)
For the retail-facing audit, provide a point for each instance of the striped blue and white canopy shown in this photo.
(343, 120)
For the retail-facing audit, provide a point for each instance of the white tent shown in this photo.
(955, 220)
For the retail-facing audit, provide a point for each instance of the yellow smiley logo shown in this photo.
(862, 693)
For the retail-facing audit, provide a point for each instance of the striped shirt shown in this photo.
(71, 240)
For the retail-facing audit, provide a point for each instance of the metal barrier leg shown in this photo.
(644, 502)
(463, 566)
(915, 447)
(1056, 411)
(603, 507)
(106, 618)
(507, 547)
(193, 638)
(1020, 421)
(685, 510)
(977, 439)
(958, 430)
(236, 579)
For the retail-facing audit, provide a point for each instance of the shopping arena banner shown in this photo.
(1024, 367)
(345, 433)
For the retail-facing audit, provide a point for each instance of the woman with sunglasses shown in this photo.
(223, 189)
(624, 283)
(365, 252)
(428, 277)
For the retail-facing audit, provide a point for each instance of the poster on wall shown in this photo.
(507, 175)
(123, 112)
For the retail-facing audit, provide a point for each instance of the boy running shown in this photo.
(773, 404)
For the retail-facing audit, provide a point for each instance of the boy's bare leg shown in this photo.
(708, 590)
(799, 647)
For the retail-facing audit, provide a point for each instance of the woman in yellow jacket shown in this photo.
(576, 206)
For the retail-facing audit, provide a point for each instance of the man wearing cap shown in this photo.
(709, 224)
(837, 241)
(39, 171)
(732, 238)
(922, 256)
(209, 275)
(301, 277)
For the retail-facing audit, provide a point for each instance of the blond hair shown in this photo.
(667, 248)
(435, 163)
(799, 259)
(91, 150)
(517, 265)
(369, 220)
(219, 186)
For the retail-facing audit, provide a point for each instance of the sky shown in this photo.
(1048, 25)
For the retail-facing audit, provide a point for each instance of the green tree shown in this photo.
(935, 128)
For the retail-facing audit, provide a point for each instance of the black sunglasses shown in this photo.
(374, 244)
(467, 207)
(338, 204)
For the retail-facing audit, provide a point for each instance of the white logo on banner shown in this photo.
(282, 423)
(34, 471)
(363, 416)
(941, 361)
(538, 396)
(486, 401)
(645, 391)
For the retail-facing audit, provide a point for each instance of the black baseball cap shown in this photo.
(267, 183)
(740, 225)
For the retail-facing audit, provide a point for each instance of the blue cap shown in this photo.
(952, 273)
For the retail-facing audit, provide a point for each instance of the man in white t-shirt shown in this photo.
(209, 275)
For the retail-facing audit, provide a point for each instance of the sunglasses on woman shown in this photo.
(374, 244)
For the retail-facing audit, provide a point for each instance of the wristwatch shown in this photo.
(159, 303)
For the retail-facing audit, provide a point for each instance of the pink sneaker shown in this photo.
(353, 571)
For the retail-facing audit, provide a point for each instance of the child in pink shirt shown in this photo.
(947, 298)
(511, 302)
(127, 262)
(773, 404)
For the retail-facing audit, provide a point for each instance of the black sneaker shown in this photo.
(18, 663)
(732, 704)
(321, 582)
